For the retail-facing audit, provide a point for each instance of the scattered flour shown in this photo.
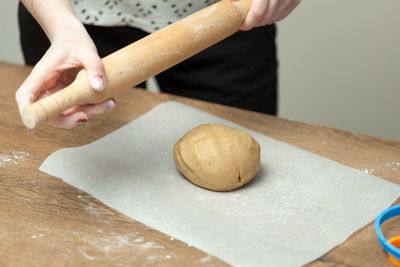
(389, 165)
(13, 158)
(93, 210)
(37, 236)
(369, 171)
(151, 245)
(88, 257)
(394, 165)
(151, 258)
(110, 245)
(206, 258)
(138, 240)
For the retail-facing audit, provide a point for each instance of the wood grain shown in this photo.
(45, 221)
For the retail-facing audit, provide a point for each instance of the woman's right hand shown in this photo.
(70, 51)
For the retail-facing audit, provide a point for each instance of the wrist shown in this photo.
(65, 29)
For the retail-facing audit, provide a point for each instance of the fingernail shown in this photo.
(98, 83)
(110, 106)
(82, 120)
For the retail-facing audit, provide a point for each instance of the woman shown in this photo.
(240, 71)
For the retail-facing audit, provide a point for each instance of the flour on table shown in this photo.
(110, 245)
(13, 158)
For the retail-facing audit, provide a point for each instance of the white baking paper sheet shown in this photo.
(297, 208)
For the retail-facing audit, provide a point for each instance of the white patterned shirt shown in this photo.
(148, 15)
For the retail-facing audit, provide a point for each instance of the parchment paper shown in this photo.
(297, 208)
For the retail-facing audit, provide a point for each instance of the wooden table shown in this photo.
(45, 221)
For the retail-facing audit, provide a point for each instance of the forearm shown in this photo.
(54, 16)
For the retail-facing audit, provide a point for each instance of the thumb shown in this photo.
(41, 77)
(95, 70)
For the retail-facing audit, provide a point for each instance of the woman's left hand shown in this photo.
(265, 12)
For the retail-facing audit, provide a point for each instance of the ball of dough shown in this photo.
(217, 157)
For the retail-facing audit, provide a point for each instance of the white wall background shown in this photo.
(10, 50)
(339, 63)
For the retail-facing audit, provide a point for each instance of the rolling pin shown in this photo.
(145, 58)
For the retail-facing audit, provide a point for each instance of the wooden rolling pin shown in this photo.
(145, 58)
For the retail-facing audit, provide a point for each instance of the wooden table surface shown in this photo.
(44, 221)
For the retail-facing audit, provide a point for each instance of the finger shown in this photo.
(286, 10)
(92, 110)
(69, 121)
(45, 72)
(257, 11)
(31, 89)
(273, 9)
(42, 76)
(25, 96)
(95, 70)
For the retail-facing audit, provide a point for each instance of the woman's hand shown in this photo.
(265, 12)
(70, 51)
